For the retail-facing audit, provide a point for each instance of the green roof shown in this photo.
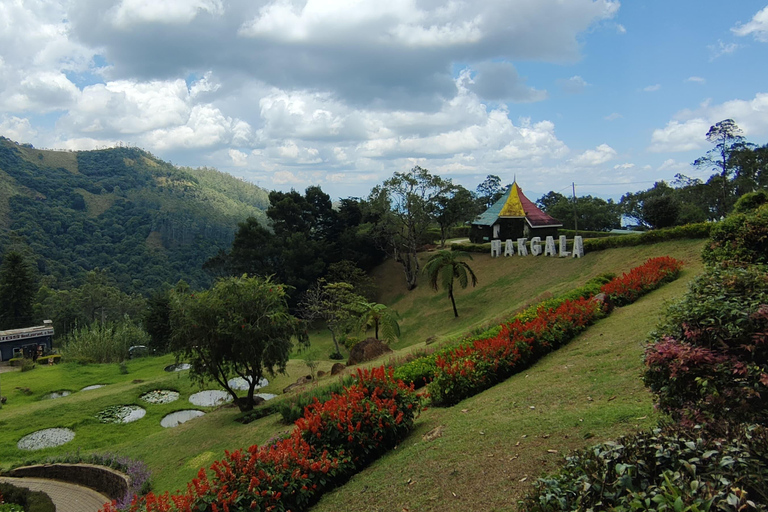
(490, 215)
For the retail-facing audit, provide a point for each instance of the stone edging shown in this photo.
(107, 481)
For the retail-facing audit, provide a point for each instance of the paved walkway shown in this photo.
(66, 497)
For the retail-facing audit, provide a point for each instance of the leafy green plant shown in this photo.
(24, 500)
(665, 469)
(108, 343)
(741, 238)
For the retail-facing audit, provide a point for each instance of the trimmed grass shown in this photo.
(480, 468)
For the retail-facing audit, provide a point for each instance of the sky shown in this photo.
(343, 93)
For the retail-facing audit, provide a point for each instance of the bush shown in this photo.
(56, 358)
(26, 364)
(751, 201)
(708, 360)
(671, 469)
(740, 239)
(330, 443)
(30, 501)
(698, 230)
(291, 409)
(630, 286)
(103, 343)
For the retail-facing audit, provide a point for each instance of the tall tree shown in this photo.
(592, 213)
(405, 206)
(727, 138)
(489, 191)
(239, 327)
(445, 267)
(17, 292)
(335, 305)
(456, 207)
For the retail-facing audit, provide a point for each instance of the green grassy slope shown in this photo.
(603, 363)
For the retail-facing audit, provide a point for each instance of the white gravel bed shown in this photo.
(240, 384)
(265, 396)
(210, 398)
(95, 386)
(177, 418)
(121, 414)
(58, 394)
(47, 438)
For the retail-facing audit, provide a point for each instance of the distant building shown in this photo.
(513, 216)
(29, 342)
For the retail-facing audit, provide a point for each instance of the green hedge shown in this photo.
(700, 230)
(31, 501)
(741, 238)
(56, 358)
(570, 233)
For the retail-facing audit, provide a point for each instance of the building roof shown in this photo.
(27, 332)
(514, 204)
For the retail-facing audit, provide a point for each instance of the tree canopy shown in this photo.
(17, 292)
(239, 327)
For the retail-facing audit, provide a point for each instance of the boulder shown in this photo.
(337, 368)
(366, 350)
(604, 301)
(320, 373)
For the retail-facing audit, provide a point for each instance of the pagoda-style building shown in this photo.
(513, 216)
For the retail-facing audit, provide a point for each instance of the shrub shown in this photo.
(698, 230)
(331, 442)
(708, 360)
(751, 201)
(291, 409)
(103, 343)
(30, 501)
(741, 239)
(27, 365)
(631, 285)
(56, 358)
(671, 469)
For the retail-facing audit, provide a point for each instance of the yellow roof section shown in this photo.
(513, 207)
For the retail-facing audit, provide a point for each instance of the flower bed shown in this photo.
(472, 367)
(331, 442)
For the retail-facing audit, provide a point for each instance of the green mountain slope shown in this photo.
(122, 209)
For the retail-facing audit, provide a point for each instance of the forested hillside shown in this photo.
(120, 209)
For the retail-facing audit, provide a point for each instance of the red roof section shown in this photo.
(535, 216)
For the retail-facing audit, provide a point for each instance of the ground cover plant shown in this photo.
(332, 441)
(19, 499)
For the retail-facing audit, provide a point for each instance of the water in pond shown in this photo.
(177, 367)
(58, 394)
(121, 414)
(177, 418)
(240, 384)
(210, 398)
(47, 438)
(95, 386)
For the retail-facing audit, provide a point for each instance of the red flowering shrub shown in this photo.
(482, 363)
(330, 443)
(631, 285)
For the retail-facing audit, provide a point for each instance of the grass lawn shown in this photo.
(478, 456)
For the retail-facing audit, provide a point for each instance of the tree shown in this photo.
(489, 191)
(17, 292)
(592, 213)
(380, 318)
(444, 267)
(404, 207)
(727, 137)
(661, 211)
(334, 304)
(456, 207)
(241, 326)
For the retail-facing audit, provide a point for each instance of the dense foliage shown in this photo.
(672, 469)
(17, 292)
(331, 442)
(741, 238)
(121, 209)
(103, 343)
(28, 501)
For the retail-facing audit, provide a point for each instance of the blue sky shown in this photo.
(342, 93)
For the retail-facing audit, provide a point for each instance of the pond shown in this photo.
(160, 396)
(47, 438)
(121, 414)
(177, 418)
(177, 367)
(240, 384)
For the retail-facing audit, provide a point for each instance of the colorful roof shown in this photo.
(514, 204)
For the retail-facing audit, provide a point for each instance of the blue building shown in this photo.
(29, 342)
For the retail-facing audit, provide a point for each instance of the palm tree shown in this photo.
(381, 317)
(445, 267)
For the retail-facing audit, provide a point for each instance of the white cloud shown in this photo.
(696, 79)
(671, 165)
(573, 85)
(688, 130)
(613, 116)
(17, 128)
(135, 12)
(239, 159)
(624, 166)
(721, 48)
(620, 28)
(652, 88)
(758, 27)
(592, 157)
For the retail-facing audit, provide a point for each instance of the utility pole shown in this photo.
(575, 216)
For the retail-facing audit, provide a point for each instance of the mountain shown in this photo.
(122, 209)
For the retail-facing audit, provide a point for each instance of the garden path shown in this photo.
(67, 497)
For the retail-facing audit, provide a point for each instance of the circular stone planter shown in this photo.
(177, 418)
(58, 394)
(95, 386)
(121, 414)
(177, 367)
(265, 396)
(160, 396)
(210, 398)
(240, 384)
(47, 438)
